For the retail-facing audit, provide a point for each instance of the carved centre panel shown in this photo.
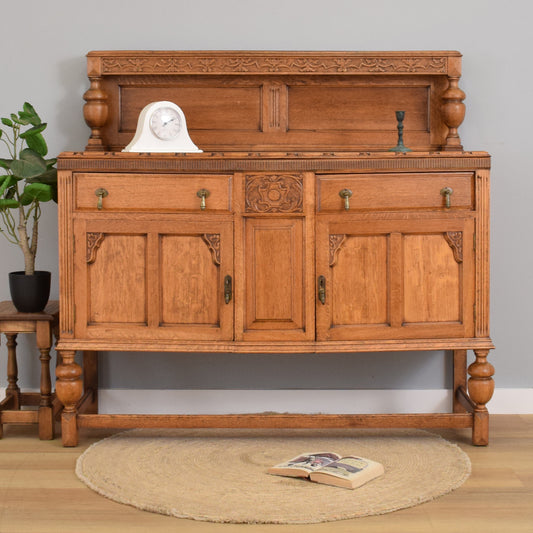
(274, 193)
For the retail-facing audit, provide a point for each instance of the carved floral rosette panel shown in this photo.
(274, 193)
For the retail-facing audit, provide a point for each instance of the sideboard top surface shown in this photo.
(273, 161)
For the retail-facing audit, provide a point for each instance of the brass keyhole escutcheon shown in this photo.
(101, 194)
(322, 289)
(228, 289)
(346, 194)
(447, 193)
(203, 194)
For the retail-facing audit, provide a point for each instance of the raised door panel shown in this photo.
(431, 280)
(366, 255)
(274, 285)
(153, 280)
(190, 273)
(388, 279)
(115, 294)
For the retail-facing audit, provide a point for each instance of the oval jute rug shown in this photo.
(220, 475)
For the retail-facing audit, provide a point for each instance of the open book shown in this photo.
(330, 468)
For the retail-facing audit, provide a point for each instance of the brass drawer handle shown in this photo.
(101, 194)
(203, 194)
(322, 289)
(346, 194)
(447, 193)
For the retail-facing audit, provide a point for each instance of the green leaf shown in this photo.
(36, 191)
(7, 122)
(50, 162)
(49, 177)
(17, 120)
(31, 119)
(30, 110)
(30, 164)
(8, 204)
(37, 143)
(5, 163)
(6, 182)
(33, 131)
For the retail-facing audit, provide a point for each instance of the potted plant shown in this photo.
(27, 180)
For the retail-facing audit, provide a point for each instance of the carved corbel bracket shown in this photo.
(455, 240)
(94, 240)
(335, 243)
(213, 242)
(95, 112)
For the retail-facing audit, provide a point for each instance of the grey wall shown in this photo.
(43, 45)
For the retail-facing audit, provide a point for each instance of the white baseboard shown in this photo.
(130, 401)
(504, 401)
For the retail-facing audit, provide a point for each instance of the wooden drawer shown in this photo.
(395, 192)
(141, 192)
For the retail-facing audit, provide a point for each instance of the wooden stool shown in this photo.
(43, 324)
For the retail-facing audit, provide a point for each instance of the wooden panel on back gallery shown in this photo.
(331, 108)
(210, 106)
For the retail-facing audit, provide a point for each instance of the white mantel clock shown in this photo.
(161, 128)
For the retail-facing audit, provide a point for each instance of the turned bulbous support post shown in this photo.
(95, 112)
(69, 389)
(480, 390)
(453, 113)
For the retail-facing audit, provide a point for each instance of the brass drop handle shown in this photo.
(322, 289)
(228, 289)
(447, 193)
(101, 194)
(346, 194)
(203, 194)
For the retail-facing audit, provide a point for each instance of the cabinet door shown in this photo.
(278, 280)
(153, 280)
(394, 279)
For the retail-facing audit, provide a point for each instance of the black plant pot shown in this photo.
(30, 293)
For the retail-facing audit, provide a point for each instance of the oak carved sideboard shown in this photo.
(312, 237)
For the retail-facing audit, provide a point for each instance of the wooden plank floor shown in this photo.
(39, 492)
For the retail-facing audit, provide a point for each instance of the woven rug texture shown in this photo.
(219, 475)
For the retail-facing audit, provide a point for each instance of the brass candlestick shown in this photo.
(400, 147)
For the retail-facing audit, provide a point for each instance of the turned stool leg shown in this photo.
(12, 370)
(46, 413)
(480, 390)
(69, 389)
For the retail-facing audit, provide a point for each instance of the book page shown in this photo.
(346, 467)
(310, 461)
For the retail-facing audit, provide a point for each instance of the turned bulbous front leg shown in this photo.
(480, 390)
(69, 389)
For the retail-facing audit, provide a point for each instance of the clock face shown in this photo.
(165, 123)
